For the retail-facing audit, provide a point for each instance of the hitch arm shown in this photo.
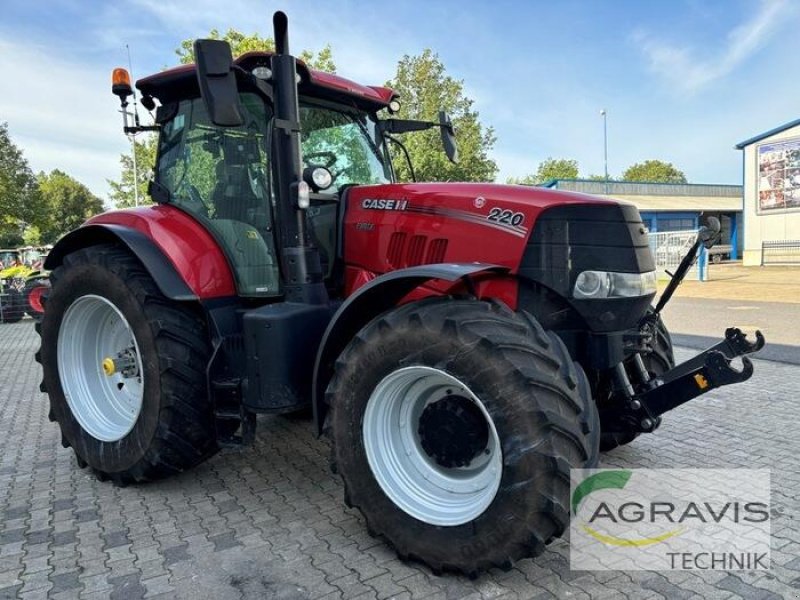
(689, 383)
(735, 344)
(708, 370)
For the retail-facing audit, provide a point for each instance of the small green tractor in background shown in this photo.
(22, 283)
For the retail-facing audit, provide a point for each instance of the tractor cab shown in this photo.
(224, 173)
(224, 176)
(9, 258)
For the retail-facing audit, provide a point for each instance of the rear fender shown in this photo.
(369, 301)
(167, 278)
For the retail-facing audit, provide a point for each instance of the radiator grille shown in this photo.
(409, 252)
(436, 251)
(394, 254)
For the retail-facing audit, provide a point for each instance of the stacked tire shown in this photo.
(12, 307)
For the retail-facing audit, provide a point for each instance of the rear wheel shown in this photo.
(454, 425)
(34, 294)
(125, 369)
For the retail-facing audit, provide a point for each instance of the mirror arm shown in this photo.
(133, 130)
(406, 125)
(246, 77)
(394, 140)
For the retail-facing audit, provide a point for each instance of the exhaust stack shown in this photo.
(301, 262)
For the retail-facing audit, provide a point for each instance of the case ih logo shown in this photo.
(384, 204)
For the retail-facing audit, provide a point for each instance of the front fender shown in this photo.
(372, 299)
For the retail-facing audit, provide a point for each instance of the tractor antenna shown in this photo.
(131, 136)
(135, 103)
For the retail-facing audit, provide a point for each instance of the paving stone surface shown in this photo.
(269, 521)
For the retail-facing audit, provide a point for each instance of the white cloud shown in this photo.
(359, 47)
(690, 70)
(60, 113)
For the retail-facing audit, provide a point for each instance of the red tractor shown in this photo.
(463, 345)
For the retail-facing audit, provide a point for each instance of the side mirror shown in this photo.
(217, 82)
(448, 137)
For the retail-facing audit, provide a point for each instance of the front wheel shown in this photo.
(454, 425)
(125, 369)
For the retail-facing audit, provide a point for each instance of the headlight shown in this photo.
(603, 284)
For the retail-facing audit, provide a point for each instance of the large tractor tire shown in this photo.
(11, 306)
(125, 369)
(34, 293)
(454, 426)
(657, 362)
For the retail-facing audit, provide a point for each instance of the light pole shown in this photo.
(604, 114)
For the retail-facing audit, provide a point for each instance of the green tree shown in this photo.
(122, 192)
(424, 88)
(32, 236)
(69, 203)
(655, 171)
(241, 43)
(549, 169)
(20, 203)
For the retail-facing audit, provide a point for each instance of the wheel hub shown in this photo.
(100, 368)
(432, 446)
(124, 363)
(453, 431)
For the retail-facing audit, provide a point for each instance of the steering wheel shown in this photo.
(330, 156)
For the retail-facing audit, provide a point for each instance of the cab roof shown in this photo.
(181, 82)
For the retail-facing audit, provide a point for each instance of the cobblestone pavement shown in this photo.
(269, 521)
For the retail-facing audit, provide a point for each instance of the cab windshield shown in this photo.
(347, 143)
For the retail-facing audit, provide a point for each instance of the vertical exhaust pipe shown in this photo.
(301, 263)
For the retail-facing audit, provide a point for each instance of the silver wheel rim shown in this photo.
(412, 479)
(106, 406)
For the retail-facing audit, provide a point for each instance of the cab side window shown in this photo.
(220, 175)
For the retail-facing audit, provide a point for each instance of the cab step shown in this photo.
(236, 426)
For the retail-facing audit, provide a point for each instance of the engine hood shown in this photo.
(394, 226)
(475, 197)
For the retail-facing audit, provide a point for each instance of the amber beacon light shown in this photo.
(121, 83)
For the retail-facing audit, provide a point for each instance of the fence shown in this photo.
(669, 248)
(780, 252)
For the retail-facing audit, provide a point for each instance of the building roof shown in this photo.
(682, 203)
(663, 197)
(767, 134)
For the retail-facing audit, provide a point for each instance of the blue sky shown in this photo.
(682, 80)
